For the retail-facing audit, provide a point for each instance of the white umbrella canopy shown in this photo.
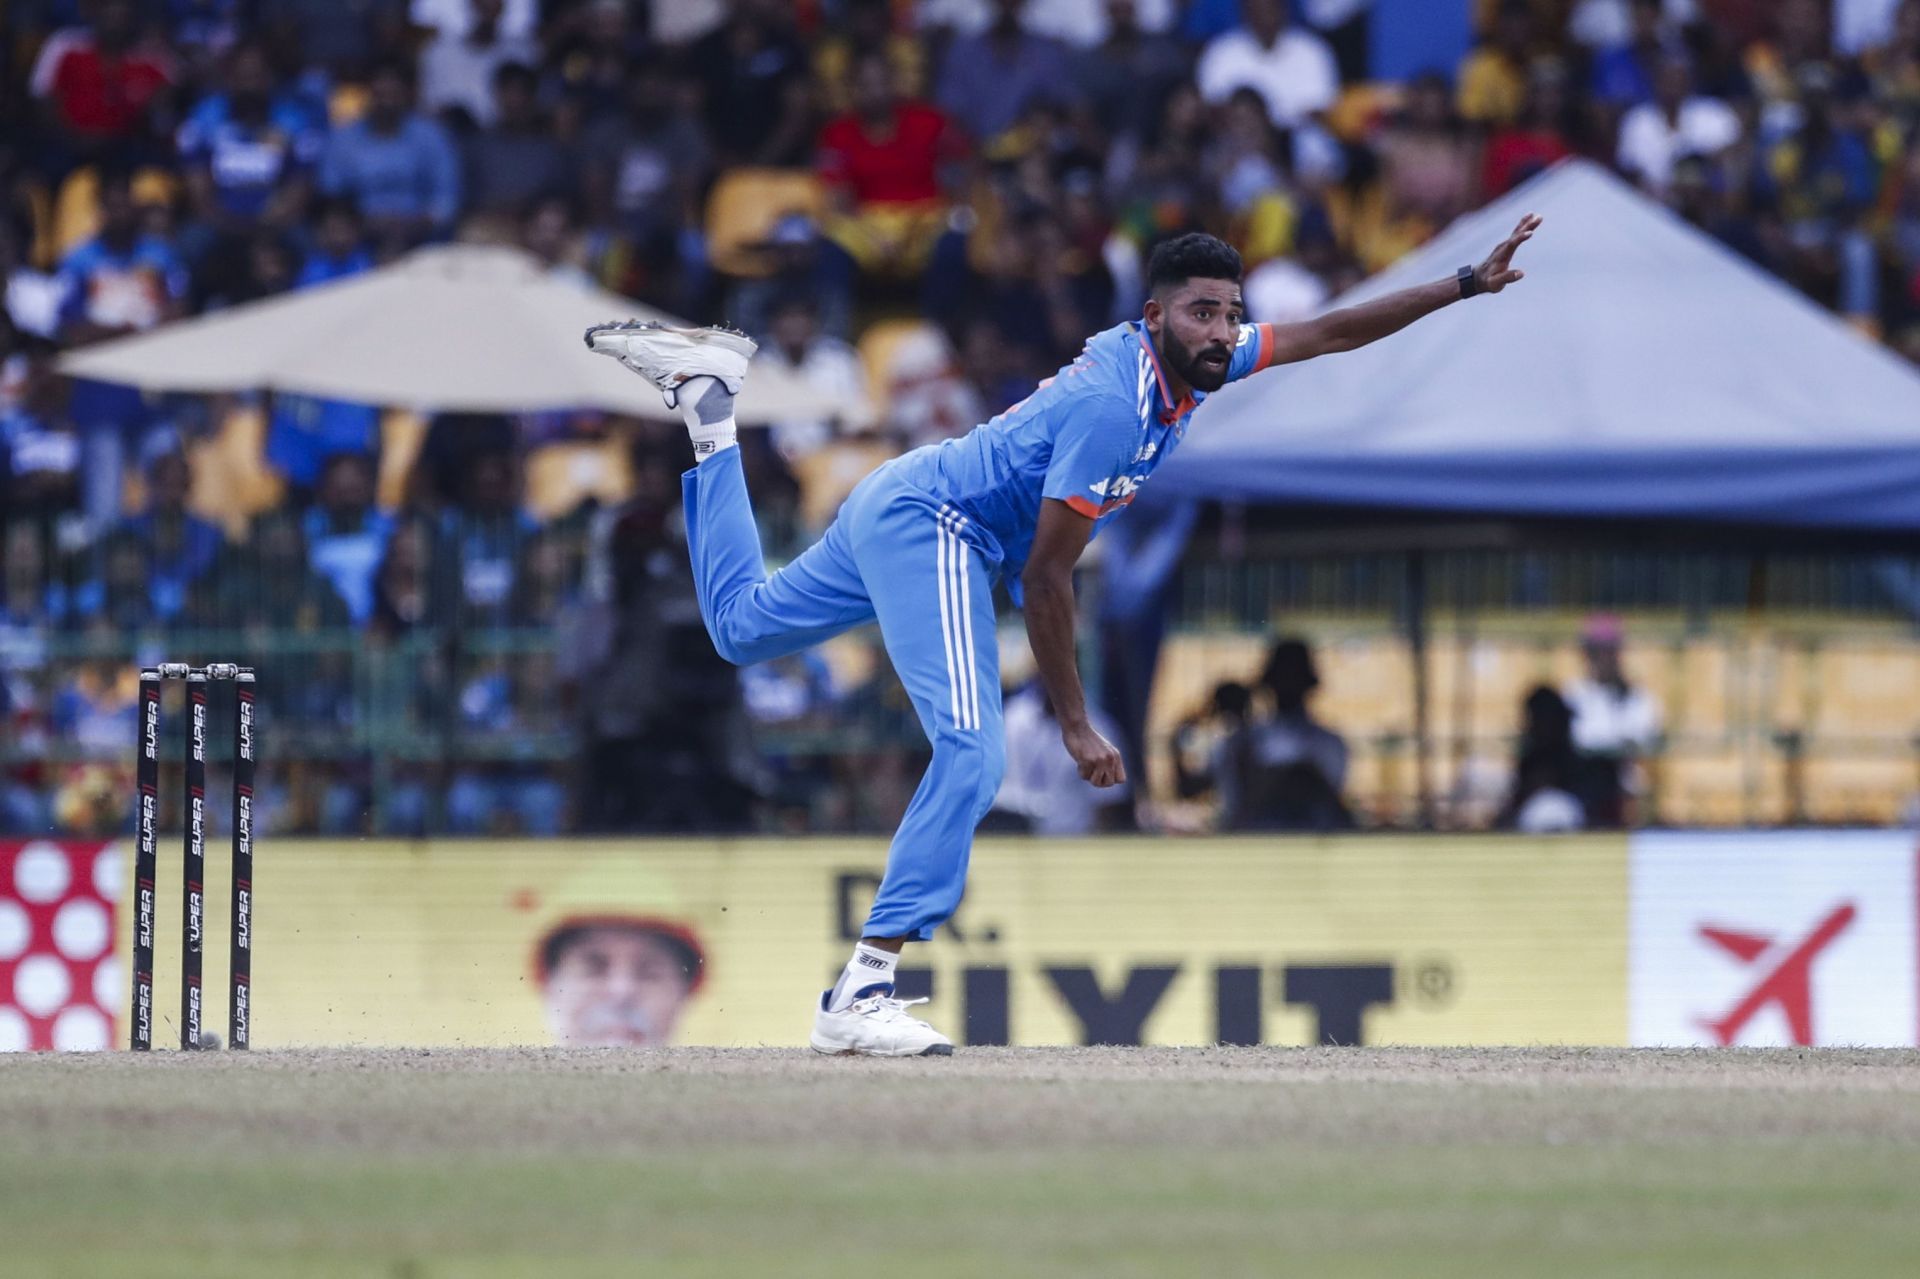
(473, 328)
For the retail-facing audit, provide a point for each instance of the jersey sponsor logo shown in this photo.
(1116, 493)
(1120, 487)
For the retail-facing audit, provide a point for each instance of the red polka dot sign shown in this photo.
(60, 980)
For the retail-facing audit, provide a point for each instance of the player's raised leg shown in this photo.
(751, 617)
(933, 594)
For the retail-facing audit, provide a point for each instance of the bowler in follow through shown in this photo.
(921, 542)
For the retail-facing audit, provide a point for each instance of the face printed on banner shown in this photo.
(610, 985)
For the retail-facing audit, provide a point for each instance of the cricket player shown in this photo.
(920, 543)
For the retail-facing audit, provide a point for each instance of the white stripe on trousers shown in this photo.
(956, 621)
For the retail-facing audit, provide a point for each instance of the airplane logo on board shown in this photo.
(1785, 981)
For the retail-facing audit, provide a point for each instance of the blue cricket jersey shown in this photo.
(1090, 435)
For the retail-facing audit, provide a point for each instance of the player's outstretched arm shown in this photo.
(1047, 584)
(1353, 327)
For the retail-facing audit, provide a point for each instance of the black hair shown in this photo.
(326, 206)
(1289, 671)
(114, 175)
(1184, 257)
(393, 66)
(1232, 699)
(794, 300)
(516, 73)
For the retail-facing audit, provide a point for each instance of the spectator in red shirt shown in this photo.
(882, 164)
(1534, 141)
(97, 85)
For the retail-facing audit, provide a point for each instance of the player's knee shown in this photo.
(979, 764)
(993, 769)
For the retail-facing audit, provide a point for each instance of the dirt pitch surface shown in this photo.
(995, 1162)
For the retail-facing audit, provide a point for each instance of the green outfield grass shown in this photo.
(1112, 1162)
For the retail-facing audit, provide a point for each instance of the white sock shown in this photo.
(870, 966)
(707, 408)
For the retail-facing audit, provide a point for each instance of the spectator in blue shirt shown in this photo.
(122, 281)
(399, 166)
(1624, 75)
(180, 547)
(304, 430)
(346, 534)
(248, 154)
(988, 81)
(482, 541)
(39, 448)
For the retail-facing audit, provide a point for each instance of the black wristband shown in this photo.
(1469, 282)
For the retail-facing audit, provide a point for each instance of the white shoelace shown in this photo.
(886, 1007)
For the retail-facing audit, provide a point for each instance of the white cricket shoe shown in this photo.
(667, 357)
(878, 1026)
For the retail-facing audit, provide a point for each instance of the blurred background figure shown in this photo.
(398, 166)
(1217, 735)
(1616, 724)
(1549, 775)
(1043, 792)
(1291, 768)
(664, 745)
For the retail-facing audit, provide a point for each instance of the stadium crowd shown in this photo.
(941, 200)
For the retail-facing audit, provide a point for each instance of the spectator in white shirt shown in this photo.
(1083, 23)
(1613, 720)
(826, 364)
(457, 70)
(1860, 25)
(517, 19)
(1677, 124)
(1603, 24)
(1043, 792)
(1290, 68)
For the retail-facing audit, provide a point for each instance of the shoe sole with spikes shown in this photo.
(668, 357)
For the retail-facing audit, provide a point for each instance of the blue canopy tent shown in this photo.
(1642, 376)
(1642, 371)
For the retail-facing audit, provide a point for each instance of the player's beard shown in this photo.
(1186, 362)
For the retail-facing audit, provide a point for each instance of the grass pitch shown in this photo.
(996, 1162)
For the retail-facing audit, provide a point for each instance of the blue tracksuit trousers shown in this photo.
(900, 557)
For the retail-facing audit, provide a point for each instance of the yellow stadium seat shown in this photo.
(347, 103)
(1866, 691)
(1855, 789)
(828, 474)
(40, 247)
(878, 346)
(1366, 685)
(1361, 107)
(561, 476)
(402, 432)
(743, 208)
(1190, 667)
(76, 206)
(1704, 697)
(1722, 786)
(231, 479)
(76, 211)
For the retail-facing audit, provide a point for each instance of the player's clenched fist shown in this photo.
(1097, 757)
